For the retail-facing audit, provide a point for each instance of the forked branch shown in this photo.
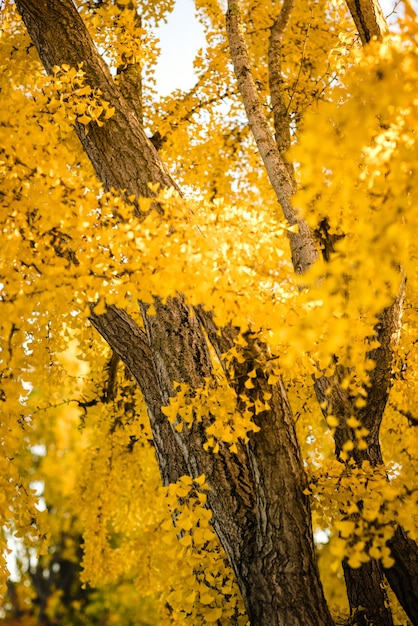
(130, 343)
(304, 252)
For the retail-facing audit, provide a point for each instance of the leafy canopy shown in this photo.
(73, 420)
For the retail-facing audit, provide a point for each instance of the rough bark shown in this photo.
(60, 36)
(337, 400)
(367, 595)
(403, 576)
(130, 343)
(259, 510)
(369, 19)
(272, 552)
(130, 72)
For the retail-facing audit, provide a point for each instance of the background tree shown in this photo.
(195, 294)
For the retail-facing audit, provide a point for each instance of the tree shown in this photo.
(264, 291)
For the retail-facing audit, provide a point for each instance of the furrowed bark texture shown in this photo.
(338, 401)
(369, 19)
(403, 576)
(260, 513)
(129, 71)
(259, 510)
(263, 486)
(131, 345)
(367, 595)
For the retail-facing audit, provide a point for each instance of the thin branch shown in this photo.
(296, 81)
(394, 10)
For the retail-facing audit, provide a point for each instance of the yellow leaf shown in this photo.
(375, 553)
(109, 112)
(353, 422)
(84, 119)
(355, 561)
(345, 527)
(332, 421)
(388, 562)
(186, 540)
(100, 308)
(206, 598)
(360, 403)
(213, 615)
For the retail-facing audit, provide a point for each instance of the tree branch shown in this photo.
(60, 36)
(280, 111)
(221, 339)
(369, 19)
(302, 244)
(403, 575)
(129, 71)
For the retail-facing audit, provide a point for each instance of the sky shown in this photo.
(180, 39)
(182, 36)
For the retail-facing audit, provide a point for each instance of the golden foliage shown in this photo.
(68, 245)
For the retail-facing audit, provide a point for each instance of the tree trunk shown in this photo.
(403, 575)
(259, 510)
(302, 244)
(367, 595)
(130, 343)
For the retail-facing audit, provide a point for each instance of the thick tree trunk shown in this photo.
(272, 552)
(130, 343)
(259, 510)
